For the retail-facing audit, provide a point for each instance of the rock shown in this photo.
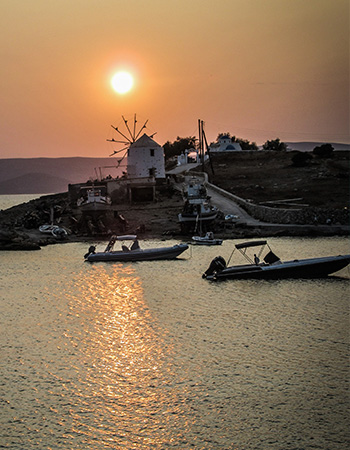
(11, 240)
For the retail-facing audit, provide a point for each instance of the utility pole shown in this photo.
(202, 139)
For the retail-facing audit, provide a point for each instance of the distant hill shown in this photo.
(51, 175)
(33, 183)
(309, 146)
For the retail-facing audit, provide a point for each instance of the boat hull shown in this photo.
(306, 268)
(206, 241)
(193, 218)
(94, 206)
(151, 254)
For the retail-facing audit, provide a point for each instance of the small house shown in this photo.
(225, 144)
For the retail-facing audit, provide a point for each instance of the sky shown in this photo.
(258, 69)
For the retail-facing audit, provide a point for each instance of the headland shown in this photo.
(319, 191)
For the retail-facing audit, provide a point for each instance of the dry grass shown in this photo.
(263, 176)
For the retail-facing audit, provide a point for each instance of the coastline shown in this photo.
(156, 220)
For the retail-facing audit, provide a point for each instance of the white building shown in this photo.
(145, 159)
(225, 145)
(189, 156)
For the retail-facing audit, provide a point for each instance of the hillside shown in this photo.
(33, 183)
(265, 176)
(309, 146)
(53, 174)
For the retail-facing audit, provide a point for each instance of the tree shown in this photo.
(275, 145)
(323, 151)
(245, 144)
(179, 146)
(220, 135)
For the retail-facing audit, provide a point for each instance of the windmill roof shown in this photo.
(144, 141)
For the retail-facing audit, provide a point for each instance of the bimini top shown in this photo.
(250, 244)
(126, 237)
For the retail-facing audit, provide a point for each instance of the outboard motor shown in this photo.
(92, 249)
(217, 265)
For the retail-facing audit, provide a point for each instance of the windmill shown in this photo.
(128, 137)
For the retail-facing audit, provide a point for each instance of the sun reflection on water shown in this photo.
(123, 378)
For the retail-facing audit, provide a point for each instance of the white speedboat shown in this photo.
(133, 252)
(271, 267)
(208, 239)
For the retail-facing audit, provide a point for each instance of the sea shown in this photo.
(151, 356)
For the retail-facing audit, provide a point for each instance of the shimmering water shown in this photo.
(151, 356)
(7, 201)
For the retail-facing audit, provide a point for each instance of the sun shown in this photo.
(122, 82)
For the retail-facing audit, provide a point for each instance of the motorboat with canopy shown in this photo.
(265, 264)
(133, 252)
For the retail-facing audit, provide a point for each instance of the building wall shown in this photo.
(141, 160)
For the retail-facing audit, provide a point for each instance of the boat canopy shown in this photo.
(250, 244)
(126, 237)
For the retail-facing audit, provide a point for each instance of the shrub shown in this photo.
(301, 159)
(323, 151)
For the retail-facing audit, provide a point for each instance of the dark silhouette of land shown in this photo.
(261, 177)
(51, 175)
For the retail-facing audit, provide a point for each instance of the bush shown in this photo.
(275, 145)
(323, 151)
(301, 159)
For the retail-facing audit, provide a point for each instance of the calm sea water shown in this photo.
(151, 356)
(7, 201)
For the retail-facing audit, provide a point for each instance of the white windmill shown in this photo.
(145, 157)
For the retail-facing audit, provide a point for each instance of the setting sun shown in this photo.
(122, 82)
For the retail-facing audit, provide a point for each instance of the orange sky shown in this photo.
(259, 69)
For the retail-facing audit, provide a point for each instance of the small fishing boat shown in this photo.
(133, 252)
(94, 198)
(208, 239)
(271, 267)
(197, 210)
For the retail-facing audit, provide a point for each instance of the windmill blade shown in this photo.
(135, 121)
(127, 126)
(119, 151)
(114, 140)
(116, 129)
(119, 162)
(144, 126)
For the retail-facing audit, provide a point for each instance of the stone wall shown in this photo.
(307, 216)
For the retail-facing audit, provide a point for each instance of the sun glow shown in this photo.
(122, 82)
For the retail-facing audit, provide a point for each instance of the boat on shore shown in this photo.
(133, 252)
(271, 266)
(197, 208)
(93, 198)
(208, 239)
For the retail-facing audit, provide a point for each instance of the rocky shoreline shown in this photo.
(19, 225)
